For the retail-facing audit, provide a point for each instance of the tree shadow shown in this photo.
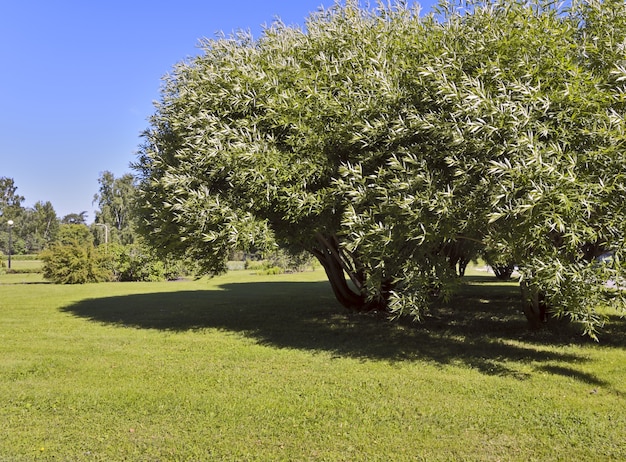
(573, 373)
(486, 334)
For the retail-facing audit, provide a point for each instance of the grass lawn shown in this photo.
(22, 264)
(25, 270)
(248, 367)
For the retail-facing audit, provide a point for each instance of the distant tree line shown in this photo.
(34, 228)
(109, 249)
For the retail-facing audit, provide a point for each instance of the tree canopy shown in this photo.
(379, 139)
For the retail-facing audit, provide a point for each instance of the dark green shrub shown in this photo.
(23, 271)
(75, 263)
(135, 262)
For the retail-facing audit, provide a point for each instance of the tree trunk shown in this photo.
(503, 272)
(337, 264)
(534, 305)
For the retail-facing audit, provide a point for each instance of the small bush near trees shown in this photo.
(75, 263)
(135, 262)
(73, 259)
(281, 261)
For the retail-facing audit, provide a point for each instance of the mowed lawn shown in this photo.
(248, 367)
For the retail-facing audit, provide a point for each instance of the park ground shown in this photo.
(269, 367)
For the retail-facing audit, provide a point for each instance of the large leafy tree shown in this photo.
(379, 140)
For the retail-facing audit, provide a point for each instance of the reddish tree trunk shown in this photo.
(534, 305)
(337, 264)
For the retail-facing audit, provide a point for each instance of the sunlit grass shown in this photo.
(19, 264)
(23, 270)
(248, 367)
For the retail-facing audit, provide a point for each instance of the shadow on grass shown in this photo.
(573, 373)
(488, 334)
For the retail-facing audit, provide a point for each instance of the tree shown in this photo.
(39, 226)
(33, 228)
(10, 201)
(116, 201)
(75, 218)
(378, 140)
(10, 209)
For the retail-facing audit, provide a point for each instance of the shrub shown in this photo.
(263, 267)
(23, 271)
(75, 263)
(135, 262)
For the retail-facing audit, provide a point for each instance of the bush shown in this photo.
(75, 263)
(176, 268)
(262, 267)
(282, 261)
(135, 262)
(138, 262)
(23, 271)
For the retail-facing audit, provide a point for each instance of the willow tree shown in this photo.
(378, 139)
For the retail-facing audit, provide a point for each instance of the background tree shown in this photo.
(75, 218)
(116, 202)
(39, 226)
(376, 139)
(10, 209)
(10, 201)
(33, 228)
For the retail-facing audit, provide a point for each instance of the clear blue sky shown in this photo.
(78, 79)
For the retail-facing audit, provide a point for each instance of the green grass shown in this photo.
(248, 367)
(31, 265)
(24, 269)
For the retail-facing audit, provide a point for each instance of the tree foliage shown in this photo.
(378, 139)
(39, 226)
(116, 201)
(10, 210)
(10, 201)
(75, 218)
